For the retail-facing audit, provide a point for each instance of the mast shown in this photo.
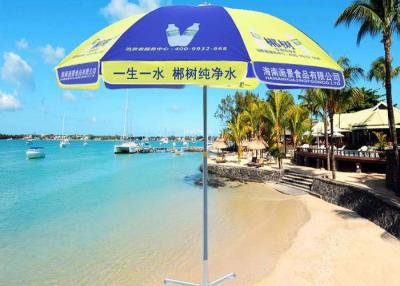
(62, 131)
(126, 115)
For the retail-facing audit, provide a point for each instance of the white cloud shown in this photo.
(16, 70)
(52, 55)
(87, 94)
(93, 119)
(175, 108)
(119, 9)
(69, 96)
(22, 44)
(9, 102)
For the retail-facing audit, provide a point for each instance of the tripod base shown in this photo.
(214, 283)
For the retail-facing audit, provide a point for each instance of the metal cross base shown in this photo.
(214, 283)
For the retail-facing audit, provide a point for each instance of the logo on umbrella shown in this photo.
(176, 39)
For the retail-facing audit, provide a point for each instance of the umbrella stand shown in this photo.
(205, 213)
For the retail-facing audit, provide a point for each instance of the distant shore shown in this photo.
(98, 137)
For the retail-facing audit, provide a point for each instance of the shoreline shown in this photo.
(337, 247)
(298, 240)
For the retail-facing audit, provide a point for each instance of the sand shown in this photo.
(300, 240)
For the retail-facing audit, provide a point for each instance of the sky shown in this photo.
(36, 35)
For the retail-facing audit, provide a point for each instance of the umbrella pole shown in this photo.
(205, 189)
(205, 213)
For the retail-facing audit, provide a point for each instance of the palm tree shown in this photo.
(238, 130)
(378, 71)
(276, 112)
(308, 100)
(338, 100)
(320, 103)
(254, 115)
(378, 17)
(298, 122)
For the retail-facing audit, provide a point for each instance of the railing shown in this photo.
(346, 153)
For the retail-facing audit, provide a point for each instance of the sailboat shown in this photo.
(85, 143)
(127, 146)
(64, 141)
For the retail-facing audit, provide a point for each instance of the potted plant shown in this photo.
(382, 143)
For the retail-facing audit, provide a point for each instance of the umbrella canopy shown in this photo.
(256, 145)
(219, 144)
(245, 143)
(208, 45)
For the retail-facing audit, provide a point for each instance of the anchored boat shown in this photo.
(35, 153)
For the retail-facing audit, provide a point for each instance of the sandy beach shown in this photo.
(301, 240)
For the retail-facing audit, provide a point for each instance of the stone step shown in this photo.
(305, 179)
(296, 181)
(300, 175)
(295, 184)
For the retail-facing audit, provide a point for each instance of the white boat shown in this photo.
(164, 140)
(28, 142)
(35, 153)
(126, 147)
(85, 141)
(178, 151)
(64, 141)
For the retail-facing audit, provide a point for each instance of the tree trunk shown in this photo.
(387, 41)
(328, 163)
(331, 113)
(278, 136)
(284, 140)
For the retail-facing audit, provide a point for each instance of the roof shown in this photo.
(371, 118)
(256, 145)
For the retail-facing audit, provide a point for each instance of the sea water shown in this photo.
(85, 216)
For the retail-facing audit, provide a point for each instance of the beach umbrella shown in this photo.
(219, 144)
(245, 143)
(256, 145)
(208, 46)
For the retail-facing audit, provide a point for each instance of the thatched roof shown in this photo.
(219, 144)
(256, 145)
(245, 143)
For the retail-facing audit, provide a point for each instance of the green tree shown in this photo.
(276, 112)
(378, 71)
(237, 131)
(371, 99)
(338, 100)
(379, 17)
(298, 122)
(254, 114)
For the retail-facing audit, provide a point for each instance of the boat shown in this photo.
(85, 143)
(126, 147)
(178, 151)
(164, 140)
(35, 153)
(28, 142)
(64, 141)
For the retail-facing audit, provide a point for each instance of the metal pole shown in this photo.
(205, 191)
(231, 275)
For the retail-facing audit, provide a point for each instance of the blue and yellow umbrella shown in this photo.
(207, 45)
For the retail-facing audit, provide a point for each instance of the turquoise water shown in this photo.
(84, 216)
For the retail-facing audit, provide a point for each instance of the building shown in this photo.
(357, 127)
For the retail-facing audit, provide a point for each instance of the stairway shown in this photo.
(297, 180)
